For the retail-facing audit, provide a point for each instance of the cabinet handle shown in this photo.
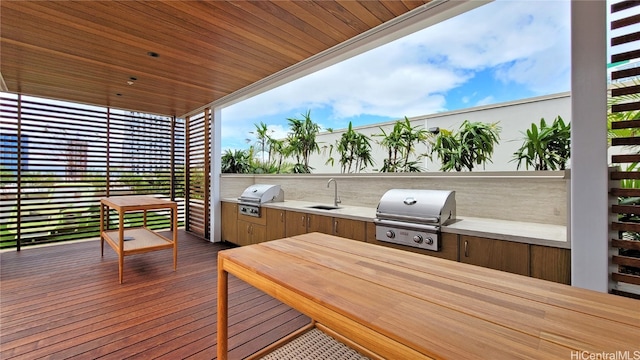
(282, 216)
(308, 221)
(335, 227)
(466, 248)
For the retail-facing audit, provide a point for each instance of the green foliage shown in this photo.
(354, 150)
(449, 150)
(236, 161)
(401, 143)
(244, 162)
(301, 141)
(473, 144)
(630, 183)
(274, 149)
(545, 147)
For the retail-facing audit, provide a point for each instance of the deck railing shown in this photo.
(57, 159)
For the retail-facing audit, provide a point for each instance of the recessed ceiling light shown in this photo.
(133, 78)
(153, 54)
(118, 94)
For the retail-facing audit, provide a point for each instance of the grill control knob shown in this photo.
(429, 241)
(390, 234)
(418, 239)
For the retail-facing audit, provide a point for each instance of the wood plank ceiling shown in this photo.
(89, 51)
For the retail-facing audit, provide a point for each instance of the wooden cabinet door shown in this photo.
(275, 224)
(553, 264)
(296, 223)
(258, 234)
(320, 223)
(229, 218)
(350, 229)
(250, 233)
(243, 233)
(502, 255)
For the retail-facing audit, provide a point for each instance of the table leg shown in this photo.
(174, 220)
(121, 245)
(101, 230)
(223, 315)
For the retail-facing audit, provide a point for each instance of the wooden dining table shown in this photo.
(402, 305)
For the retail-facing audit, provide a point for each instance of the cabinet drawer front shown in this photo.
(495, 254)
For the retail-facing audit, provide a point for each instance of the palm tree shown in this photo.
(472, 145)
(362, 153)
(411, 136)
(354, 149)
(447, 147)
(545, 147)
(262, 136)
(302, 141)
(276, 148)
(393, 143)
(401, 143)
(478, 141)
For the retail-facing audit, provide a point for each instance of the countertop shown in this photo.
(524, 232)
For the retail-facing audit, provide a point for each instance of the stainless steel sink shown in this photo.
(324, 207)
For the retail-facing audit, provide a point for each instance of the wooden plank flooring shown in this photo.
(64, 301)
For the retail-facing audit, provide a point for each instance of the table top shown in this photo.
(137, 202)
(401, 304)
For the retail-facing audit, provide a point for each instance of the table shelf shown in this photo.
(142, 238)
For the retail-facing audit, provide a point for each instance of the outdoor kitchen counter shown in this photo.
(517, 231)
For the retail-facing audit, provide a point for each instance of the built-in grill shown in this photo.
(254, 196)
(414, 217)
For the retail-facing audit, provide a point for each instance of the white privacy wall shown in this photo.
(513, 117)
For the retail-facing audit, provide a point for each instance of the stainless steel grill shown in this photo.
(249, 203)
(414, 217)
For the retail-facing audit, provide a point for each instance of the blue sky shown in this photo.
(505, 50)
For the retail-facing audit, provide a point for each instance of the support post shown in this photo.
(589, 169)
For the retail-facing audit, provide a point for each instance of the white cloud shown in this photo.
(528, 42)
(485, 101)
(521, 42)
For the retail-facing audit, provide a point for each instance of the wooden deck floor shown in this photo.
(64, 301)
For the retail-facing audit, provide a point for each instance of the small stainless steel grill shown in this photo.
(414, 217)
(254, 196)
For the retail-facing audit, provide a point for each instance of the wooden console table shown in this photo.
(137, 240)
(401, 305)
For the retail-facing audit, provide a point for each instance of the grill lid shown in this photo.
(419, 206)
(261, 193)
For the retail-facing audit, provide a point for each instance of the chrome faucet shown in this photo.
(336, 199)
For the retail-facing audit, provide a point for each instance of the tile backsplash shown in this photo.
(539, 197)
